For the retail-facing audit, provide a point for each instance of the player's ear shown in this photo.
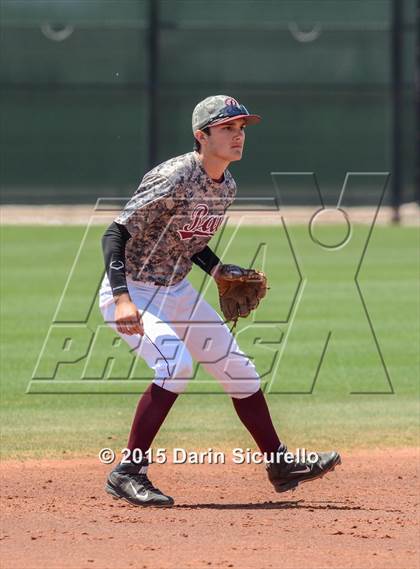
(199, 135)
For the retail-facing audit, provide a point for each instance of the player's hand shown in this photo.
(127, 316)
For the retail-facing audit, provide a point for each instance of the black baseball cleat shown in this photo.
(286, 475)
(130, 482)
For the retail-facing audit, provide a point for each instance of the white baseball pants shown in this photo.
(180, 325)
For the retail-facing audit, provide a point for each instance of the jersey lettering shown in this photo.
(202, 224)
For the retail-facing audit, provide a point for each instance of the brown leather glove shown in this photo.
(240, 290)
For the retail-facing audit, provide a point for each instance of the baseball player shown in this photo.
(145, 296)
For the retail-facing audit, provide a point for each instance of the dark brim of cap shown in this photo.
(249, 119)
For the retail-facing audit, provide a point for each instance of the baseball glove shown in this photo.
(240, 290)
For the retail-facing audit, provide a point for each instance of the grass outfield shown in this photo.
(312, 341)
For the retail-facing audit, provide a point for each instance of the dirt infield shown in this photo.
(364, 515)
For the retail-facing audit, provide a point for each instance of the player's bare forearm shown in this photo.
(122, 298)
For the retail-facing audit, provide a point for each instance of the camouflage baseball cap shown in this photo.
(220, 109)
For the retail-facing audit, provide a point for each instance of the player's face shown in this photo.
(226, 141)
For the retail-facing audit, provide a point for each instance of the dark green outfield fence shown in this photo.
(95, 91)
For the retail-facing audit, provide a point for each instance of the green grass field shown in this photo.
(354, 396)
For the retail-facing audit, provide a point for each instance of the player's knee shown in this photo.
(174, 375)
(181, 368)
(175, 378)
(184, 366)
(171, 357)
(174, 385)
(237, 375)
(240, 389)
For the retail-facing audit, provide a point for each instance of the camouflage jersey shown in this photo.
(173, 215)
